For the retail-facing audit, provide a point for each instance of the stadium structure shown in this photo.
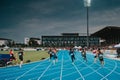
(68, 40)
(108, 36)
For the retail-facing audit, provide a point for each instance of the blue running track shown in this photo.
(64, 69)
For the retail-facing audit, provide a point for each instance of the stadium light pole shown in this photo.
(87, 4)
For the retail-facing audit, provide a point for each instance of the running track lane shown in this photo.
(64, 69)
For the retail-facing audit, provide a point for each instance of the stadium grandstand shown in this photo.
(109, 35)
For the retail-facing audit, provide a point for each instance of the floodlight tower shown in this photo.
(87, 4)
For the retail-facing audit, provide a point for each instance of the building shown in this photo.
(26, 41)
(108, 35)
(68, 40)
(6, 42)
(32, 41)
(37, 41)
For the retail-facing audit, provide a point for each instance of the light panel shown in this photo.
(87, 3)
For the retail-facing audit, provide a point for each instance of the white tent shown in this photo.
(77, 47)
(117, 45)
(6, 47)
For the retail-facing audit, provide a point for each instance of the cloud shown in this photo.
(104, 18)
(53, 17)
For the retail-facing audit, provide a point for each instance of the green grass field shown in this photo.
(30, 55)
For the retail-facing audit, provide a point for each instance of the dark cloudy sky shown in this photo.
(33, 18)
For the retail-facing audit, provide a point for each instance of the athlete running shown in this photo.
(12, 57)
(83, 52)
(100, 56)
(50, 53)
(95, 55)
(72, 54)
(20, 54)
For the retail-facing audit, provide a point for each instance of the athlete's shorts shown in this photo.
(21, 58)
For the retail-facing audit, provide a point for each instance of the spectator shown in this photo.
(118, 52)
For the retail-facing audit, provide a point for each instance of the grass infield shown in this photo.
(29, 56)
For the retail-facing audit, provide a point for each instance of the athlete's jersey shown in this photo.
(20, 53)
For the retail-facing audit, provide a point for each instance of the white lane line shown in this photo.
(72, 73)
(61, 67)
(71, 68)
(93, 69)
(110, 72)
(27, 72)
(110, 64)
(52, 69)
(79, 72)
(17, 70)
(44, 72)
(90, 73)
(99, 73)
(114, 71)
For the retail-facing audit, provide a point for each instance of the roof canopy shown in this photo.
(107, 31)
